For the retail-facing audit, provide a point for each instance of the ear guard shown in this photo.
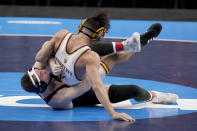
(97, 35)
(38, 86)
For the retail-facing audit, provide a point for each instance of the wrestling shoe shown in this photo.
(151, 33)
(163, 98)
(132, 43)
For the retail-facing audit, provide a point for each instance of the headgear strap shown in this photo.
(39, 86)
(31, 73)
(97, 35)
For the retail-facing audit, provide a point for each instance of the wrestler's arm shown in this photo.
(43, 55)
(48, 49)
(56, 69)
(92, 67)
(92, 74)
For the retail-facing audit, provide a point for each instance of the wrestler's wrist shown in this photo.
(112, 112)
(51, 62)
(38, 65)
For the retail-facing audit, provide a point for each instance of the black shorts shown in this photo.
(87, 99)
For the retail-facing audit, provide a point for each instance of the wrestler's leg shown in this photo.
(108, 61)
(117, 93)
(63, 97)
(132, 43)
(124, 50)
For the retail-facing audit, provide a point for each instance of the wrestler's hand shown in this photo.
(56, 69)
(123, 116)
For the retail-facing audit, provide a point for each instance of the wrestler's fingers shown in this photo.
(128, 118)
(58, 70)
(121, 117)
(57, 67)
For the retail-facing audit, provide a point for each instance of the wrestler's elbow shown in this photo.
(38, 57)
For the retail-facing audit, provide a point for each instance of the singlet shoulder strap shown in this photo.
(64, 42)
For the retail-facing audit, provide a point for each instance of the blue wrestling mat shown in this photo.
(119, 28)
(168, 64)
(13, 100)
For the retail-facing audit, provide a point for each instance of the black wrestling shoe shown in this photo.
(151, 33)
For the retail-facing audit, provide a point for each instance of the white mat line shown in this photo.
(42, 35)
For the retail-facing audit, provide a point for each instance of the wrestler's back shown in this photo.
(73, 44)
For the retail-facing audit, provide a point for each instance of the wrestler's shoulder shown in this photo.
(61, 34)
(91, 56)
(63, 31)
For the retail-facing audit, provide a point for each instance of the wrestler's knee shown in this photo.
(141, 94)
(61, 106)
(120, 56)
(124, 55)
(60, 101)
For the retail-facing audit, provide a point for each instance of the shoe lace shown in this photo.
(149, 35)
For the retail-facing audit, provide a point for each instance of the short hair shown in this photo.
(97, 21)
(26, 83)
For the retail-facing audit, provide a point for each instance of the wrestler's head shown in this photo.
(95, 27)
(35, 80)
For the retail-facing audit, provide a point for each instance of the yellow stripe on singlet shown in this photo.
(105, 67)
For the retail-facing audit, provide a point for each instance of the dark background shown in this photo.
(173, 4)
(165, 10)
